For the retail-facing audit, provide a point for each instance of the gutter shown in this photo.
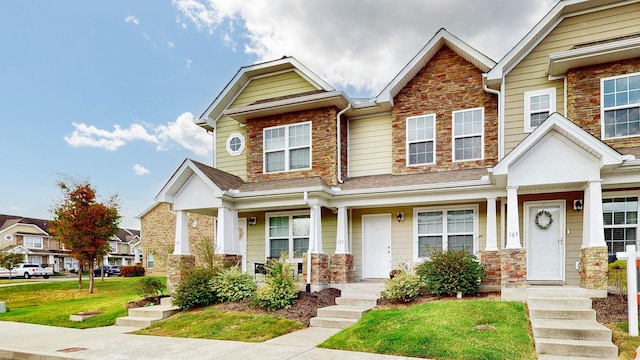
(339, 141)
(500, 114)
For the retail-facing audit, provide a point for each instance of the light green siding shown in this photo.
(272, 86)
(236, 165)
(370, 146)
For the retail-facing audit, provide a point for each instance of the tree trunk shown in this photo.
(91, 278)
(80, 268)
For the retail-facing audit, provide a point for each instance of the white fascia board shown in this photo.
(38, 229)
(560, 62)
(421, 187)
(414, 198)
(276, 192)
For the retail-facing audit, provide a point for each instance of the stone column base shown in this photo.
(231, 260)
(594, 268)
(492, 270)
(319, 268)
(178, 266)
(513, 268)
(341, 269)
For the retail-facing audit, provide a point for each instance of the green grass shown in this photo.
(209, 323)
(626, 344)
(442, 330)
(51, 303)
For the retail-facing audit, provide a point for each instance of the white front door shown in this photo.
(242, 237)
(376, 246)
(545, 241)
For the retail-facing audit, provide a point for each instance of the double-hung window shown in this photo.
(288, 234)
(421, 139)
(443, 229)
(620, 222)
(287, 148)
(33, 242)
(621, 106)
(149, 260)
(467, 134)
(538, 105)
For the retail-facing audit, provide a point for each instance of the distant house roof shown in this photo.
(7, 221)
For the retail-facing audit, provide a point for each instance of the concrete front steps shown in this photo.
(355, 300)
(565, 327)
(144, 316)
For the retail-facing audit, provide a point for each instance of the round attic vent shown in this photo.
(8, 237)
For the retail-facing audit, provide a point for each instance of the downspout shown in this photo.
(308, 287)
(500, 113)
(339, 137)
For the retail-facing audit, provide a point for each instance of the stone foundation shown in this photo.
(513, 268)
(178, 267)
(594, 269)
(341, 269)
(231, 260)
(492, 269)
(319, 266)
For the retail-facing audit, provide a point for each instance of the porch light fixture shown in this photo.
(400, 216)
(577, 205)
(252, 220)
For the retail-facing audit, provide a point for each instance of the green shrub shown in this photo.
(232, 285)
(279, 289)
(150, 286)
(403, 287)
(195, 289)
(618, 275)
(128, 271)
(450, 272)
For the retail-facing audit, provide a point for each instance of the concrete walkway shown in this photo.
(29, 341)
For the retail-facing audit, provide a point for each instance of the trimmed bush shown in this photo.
(450, 272)
(195, 289)
(233, 285)
(403, 287)
(150, 286)
(129, 271)
(279, 289)
(618, 275)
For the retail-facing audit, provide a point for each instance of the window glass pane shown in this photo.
(621, 84)
(634, 82)
(609, 100)
(278, 226)
(620, 222)
(301, 225)
(460, 221)
(428, 244)
(299, 158)
(278, 247)
(274, 139)
(235, 143)
(275, 161)
(621, 99)
(609, 86)
(300, 246)
(421, 153)
(299, 135)
(430, 222)
(461, 242)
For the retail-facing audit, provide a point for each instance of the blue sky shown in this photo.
(106, 91)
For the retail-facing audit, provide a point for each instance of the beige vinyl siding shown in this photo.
(370, 146)
(267, 87)
(573, 244)
(236, 165)
(530, 73)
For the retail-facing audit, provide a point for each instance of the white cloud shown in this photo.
(140, 170)
(132, 19)
(170, 44)
(360, 44)
(182, 133)
(188, 64)
(146, 36)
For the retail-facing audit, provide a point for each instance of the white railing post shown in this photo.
(632, 287)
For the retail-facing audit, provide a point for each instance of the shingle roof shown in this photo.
(283, 184)
(381, 181)
(223, 180)
(9, 220)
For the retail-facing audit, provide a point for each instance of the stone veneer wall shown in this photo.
(177, 268)
(447, 83)
(513, 267)
(583, 98)
(320, 266)
(341, 269)
(594, 269)
(492, 268)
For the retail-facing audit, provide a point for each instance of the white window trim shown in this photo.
(444, 209)
(24, 241)
(287, 149)
(147, 260)
(453, 136)
(602, 109)
(407, 139)
(527, 102)
(290, 214)
(624, 194)
(242, 144)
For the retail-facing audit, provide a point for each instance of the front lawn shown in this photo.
(51, 303)
(467, 329)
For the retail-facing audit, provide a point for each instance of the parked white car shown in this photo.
(27, 271)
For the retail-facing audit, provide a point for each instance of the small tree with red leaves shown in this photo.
(84, 225)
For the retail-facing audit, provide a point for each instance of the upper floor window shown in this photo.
(114, 247)
(467, 134)
(538, 105)
(442, 229)
(421, 139)
(287, 148)
(621, 106)
(235, 144)
(620, 222)
(33, 242)
(288, 234)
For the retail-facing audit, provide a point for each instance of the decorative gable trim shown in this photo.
(440, 39)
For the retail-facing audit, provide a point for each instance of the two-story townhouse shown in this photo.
(121, 249)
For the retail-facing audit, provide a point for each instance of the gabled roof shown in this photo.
(127, 235)
(242, 78)
(8, 221)
(560, 124)
(562, 10)
(440, 39)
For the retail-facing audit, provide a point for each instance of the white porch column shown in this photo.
(513, 224)
(593, 234)
(315, 236)
(227, 232)
(492, 236)
(181, 244)
(342, 240)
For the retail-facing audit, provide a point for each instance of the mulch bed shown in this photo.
(611, 309)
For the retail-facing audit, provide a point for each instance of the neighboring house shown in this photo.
(30, 236)
(529, 163)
